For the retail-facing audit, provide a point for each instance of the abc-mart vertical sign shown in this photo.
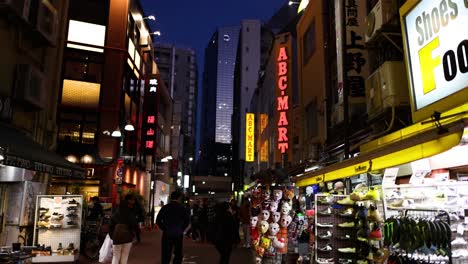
(436, 45)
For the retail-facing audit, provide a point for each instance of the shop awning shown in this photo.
(415, 142)
(22, 152)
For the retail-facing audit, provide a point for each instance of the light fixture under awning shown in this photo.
(420, 146)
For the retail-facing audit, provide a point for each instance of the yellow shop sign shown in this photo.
(436, 45)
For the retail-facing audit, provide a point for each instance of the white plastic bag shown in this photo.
(105, 253)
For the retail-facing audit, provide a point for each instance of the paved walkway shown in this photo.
(149, 252)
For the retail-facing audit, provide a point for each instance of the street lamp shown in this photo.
(116, 133)
(129, 126)
(151, 17)
(293, 3)
(157, 33)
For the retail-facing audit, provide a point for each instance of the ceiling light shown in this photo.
(150, 18)
(116, 133)
(157, 33)
(168, 157)
(129, 126)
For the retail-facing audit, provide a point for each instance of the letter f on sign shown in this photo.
(428, 64)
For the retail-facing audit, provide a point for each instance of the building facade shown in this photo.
(115, 112)
(178, 69)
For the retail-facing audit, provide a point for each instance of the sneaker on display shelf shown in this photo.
(325, 212)
(373, 194)
(324, 224)
(326, 235)
(346, 201)
(346, 225)
(326, 248)
(459, 241)
(347, 250)
(325, 261)
(326, 200)
(347, 213)
(345, 237)
(345, 261)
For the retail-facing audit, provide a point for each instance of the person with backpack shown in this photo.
(226, 232)
(122, 228)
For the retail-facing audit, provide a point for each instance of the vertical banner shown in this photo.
(249, 137)
(354, 58)
(283, 94)
(150, 123)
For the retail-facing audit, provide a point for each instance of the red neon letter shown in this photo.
(150, 120)
(282, 68)
(283, 103)
(282, 54)
(283, 83)
(283, 119)
(149, 143)
(283, 147)
(282, 137)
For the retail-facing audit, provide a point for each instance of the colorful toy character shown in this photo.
(275, 217)
(265, 215)
(273, 206)
(288, 193)
(277, 243)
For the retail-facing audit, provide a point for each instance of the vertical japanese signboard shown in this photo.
(150, 123)
(352, 60)
(249, 137)
(283, 94)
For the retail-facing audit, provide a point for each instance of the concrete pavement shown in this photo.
(149, 252)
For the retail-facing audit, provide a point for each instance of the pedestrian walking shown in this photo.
(236, 215)
(244, 214)
(122, 228)
(195, 222)
(173, 219)
(203, 221)
(140, 217)
(225, 232)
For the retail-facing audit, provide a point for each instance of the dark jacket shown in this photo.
(123, 217)
(226, 231)
(173, 219)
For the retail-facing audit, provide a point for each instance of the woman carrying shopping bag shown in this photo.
(122, 228)
(105, 254)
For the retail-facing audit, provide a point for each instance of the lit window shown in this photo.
(86, 33)
(80, 94)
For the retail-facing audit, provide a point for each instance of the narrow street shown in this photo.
(149, 252)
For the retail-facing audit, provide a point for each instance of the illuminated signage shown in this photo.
(264, 152)
(436, 54)
(150, 116)
(282, 99)
(249, 137)
(263, 122)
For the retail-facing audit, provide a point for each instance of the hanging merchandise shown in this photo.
(420, 233)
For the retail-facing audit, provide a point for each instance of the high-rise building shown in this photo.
(245, 83)
(214, 147)
(178, 69)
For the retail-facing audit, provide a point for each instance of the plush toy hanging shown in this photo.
(282, 235)
(254, 235)
(265, 215)
(275, 217)
(273, 206)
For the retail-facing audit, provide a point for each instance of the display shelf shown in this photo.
(55, 259)
(49, 207)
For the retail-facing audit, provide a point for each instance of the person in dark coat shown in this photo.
(225, 232)
(173, 219)
(140, 217)
(95, 211)
(122, 228)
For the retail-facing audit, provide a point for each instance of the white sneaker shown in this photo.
(325, 261)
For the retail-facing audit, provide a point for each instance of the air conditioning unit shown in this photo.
(29, 87)
(387, 87)
(20, 7)
(380, 15)
(47, 22)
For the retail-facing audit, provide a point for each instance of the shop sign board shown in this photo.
(283, 98)
(436, 51)
(150, 123)
(249, 137)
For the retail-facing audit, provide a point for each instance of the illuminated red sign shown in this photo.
(150, 115)
(282, 99)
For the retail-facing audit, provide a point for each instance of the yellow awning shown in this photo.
(421, 145)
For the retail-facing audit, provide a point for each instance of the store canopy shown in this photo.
(21, 151)
(415, 142)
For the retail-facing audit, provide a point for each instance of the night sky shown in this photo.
(191, 23)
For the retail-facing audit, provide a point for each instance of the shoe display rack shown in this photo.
(57, 228)
(334, 230)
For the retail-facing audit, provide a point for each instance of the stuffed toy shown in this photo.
(288, 193)
(277, 243)
(273, 206)
(275, 217)
(265, 215)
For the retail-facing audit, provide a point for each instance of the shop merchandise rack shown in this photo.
(63, 214)
(336, 231)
